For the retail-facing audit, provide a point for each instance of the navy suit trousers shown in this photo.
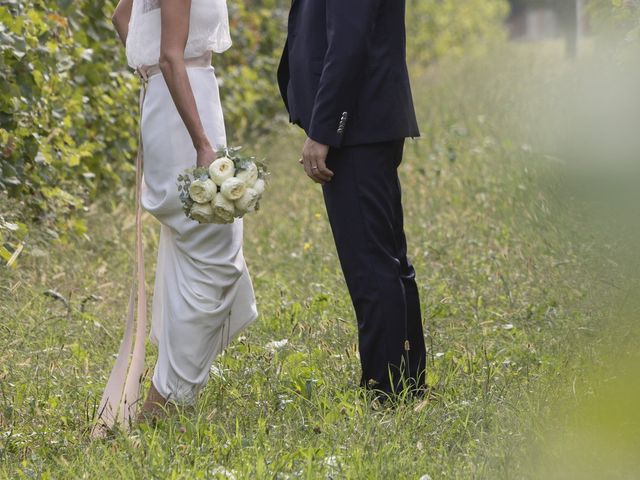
(364, 206)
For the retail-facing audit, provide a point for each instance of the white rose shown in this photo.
(248, 201)
(202, 212)
(248, 175)
(259, 186)
(203, 191)
(233, 188)
(221, 169)
(223, 209)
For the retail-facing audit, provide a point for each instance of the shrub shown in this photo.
(616, 19)
(65, 131)
(437, 28)
(248, 70)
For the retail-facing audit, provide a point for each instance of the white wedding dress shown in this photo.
(203, 295)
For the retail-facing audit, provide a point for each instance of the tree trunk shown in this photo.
(572, 14)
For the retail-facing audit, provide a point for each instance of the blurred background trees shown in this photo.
(443, 28)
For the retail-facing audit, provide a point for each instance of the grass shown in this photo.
(514, 330)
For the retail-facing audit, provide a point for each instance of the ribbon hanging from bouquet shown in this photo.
(121, 396)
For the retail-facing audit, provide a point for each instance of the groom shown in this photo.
(344, 80)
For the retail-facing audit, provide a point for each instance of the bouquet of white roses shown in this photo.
(230, 187)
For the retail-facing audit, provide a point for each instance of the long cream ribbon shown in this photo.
(121, 396)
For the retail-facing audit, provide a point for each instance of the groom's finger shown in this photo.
(315, 171)
(317, 176)
(309, 170)
(323, 171)
(320, 173)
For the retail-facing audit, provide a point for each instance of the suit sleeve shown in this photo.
(350, 24)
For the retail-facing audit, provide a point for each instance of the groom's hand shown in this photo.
(314, 157)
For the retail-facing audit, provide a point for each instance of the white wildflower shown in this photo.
(276, 345)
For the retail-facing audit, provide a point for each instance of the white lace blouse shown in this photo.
(208, 30)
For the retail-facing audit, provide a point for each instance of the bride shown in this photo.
(203, 295)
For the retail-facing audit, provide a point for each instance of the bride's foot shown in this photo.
(154, 406)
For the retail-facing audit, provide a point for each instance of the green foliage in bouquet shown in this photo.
(242, 162)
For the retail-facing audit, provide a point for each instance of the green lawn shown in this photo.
(515, 333)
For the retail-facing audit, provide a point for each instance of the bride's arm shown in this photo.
(175, 31)
(120, 19)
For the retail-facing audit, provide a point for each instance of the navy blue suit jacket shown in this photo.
(343, 73)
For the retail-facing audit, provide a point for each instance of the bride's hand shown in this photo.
(206, 156)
